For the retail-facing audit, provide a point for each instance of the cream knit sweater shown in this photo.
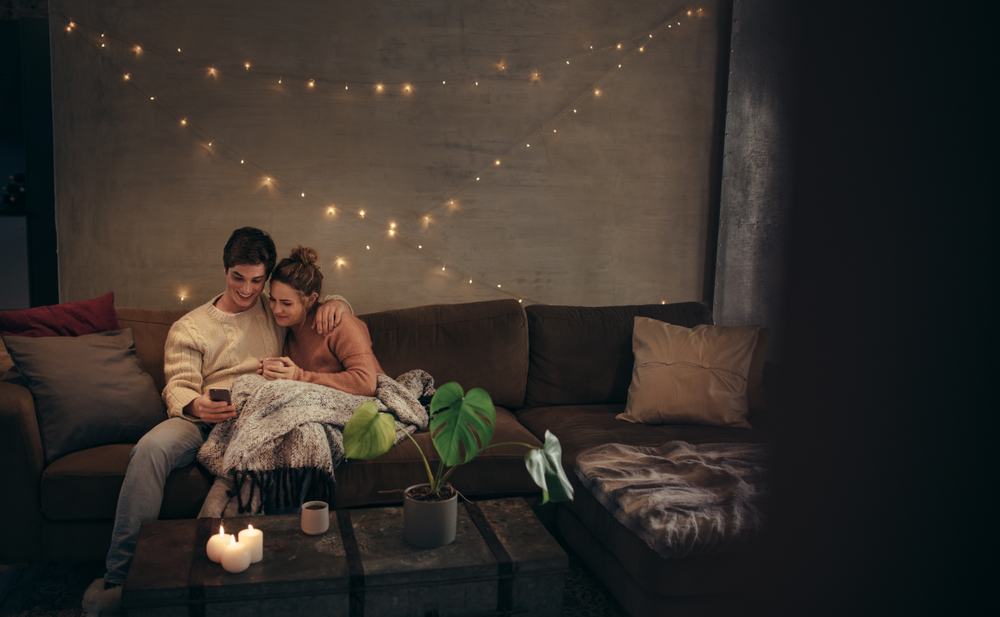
(208, 348)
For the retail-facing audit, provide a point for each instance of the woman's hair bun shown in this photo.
(305, 255)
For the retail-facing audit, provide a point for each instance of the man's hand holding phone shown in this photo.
(213, 411)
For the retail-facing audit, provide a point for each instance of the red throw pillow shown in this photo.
(69, 319)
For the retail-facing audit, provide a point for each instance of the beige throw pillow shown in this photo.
(689, 375)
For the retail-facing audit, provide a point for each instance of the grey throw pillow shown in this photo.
(89, 390)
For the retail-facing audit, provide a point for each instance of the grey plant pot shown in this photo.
(429, 524)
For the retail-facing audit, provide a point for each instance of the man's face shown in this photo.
(244, 284)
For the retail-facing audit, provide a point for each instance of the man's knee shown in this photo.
(169, 441)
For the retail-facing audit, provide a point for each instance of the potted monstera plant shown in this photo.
(461, 426)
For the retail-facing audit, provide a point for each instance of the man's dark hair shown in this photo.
(250, 246)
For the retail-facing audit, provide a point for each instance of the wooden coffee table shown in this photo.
(502, 562)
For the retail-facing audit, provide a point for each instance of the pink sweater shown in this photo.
(342, 359)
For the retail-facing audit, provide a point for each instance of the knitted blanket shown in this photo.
(681, 499)
(281, 448)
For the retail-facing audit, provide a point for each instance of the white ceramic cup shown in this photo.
(315, 517)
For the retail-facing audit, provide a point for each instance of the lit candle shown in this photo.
(253, 538)
(236, 556)
(216, 544)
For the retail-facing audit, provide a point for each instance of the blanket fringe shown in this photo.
(281, 489)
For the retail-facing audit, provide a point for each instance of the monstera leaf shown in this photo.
(368, 433)
(456, 418)
(545, 468)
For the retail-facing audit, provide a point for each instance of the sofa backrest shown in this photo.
(478, 344)
(149, 329)
(583, 355)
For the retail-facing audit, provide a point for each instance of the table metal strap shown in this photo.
(196, 575)
(355, 569)
(505, 588)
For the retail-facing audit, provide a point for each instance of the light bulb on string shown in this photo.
(184, 122)
(362, 214)
(128, 76)
(312, 83)
(178, 50)
(247, 65)
(137, 49)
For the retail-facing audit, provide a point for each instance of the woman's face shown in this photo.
(285, 304)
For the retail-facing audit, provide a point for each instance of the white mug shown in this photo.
(315, 517)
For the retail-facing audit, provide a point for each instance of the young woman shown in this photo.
(342, 359)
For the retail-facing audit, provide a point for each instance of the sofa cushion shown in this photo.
(84, 486)
(689, 375)
(581, 427)
(150, 328)
(583, 355)
(67, 319)
(89, 390)
(592, 532)
(494, 472)
(442, 339)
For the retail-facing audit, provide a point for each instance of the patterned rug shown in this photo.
(56, 590)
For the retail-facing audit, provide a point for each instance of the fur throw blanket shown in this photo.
(281, 448)
(681, 499)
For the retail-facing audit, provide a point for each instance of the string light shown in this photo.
(331, 211)
(408, 88)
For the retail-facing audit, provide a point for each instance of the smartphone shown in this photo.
(220, 394)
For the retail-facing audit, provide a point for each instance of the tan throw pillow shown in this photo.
(689, 375)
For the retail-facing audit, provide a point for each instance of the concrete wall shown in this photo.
(757, 182)
(609, 204)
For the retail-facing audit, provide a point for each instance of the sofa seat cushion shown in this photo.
(494, 472)
(581, 427)
(593, 533)
(85, 485)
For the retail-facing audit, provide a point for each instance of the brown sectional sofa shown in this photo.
(564, 369)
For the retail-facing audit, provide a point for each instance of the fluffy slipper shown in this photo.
(101, 602)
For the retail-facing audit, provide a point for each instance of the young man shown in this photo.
(207, 348)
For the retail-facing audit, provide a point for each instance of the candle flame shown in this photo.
(232, 540)
(221, 532)
(250, 527)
